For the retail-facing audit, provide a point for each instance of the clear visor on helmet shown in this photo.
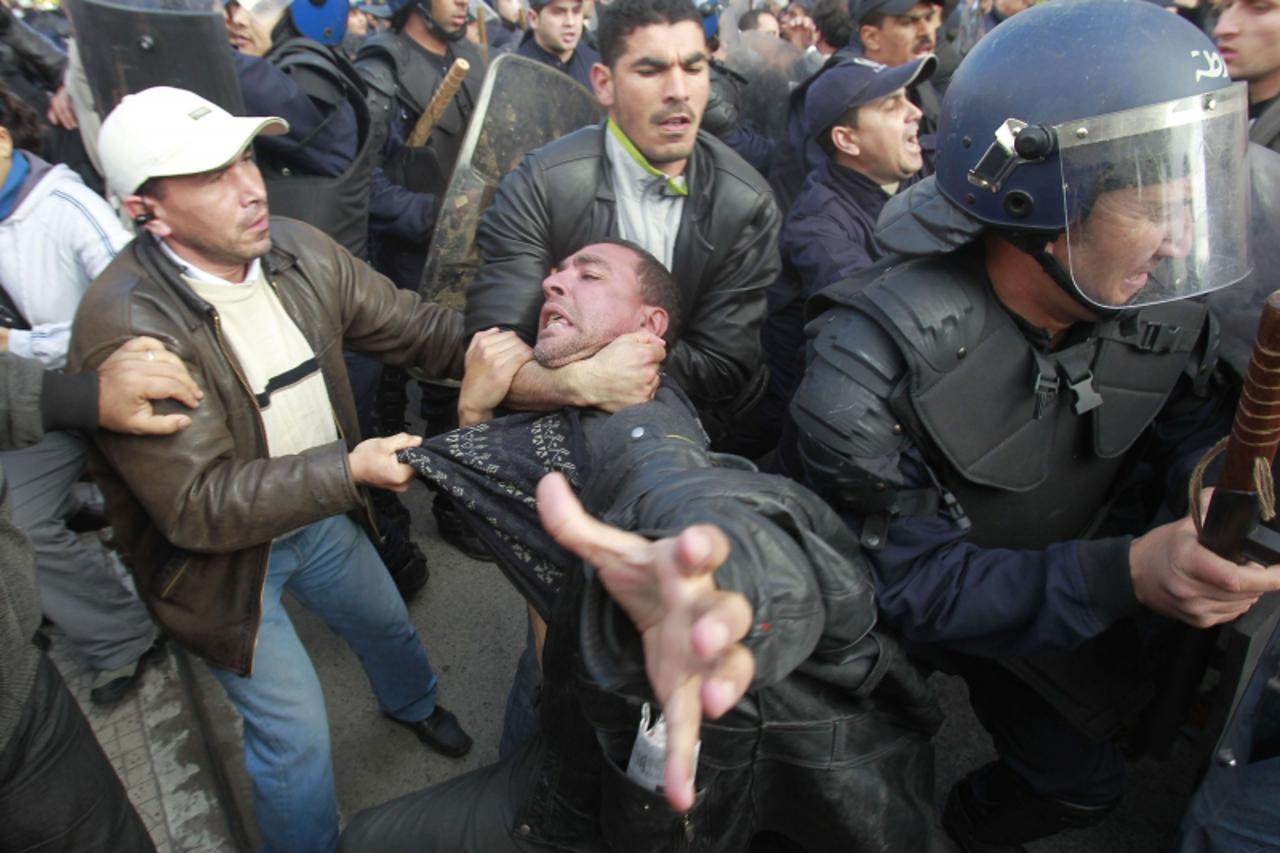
(1157, 200)
(266, 10)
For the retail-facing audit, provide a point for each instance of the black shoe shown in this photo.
(441, 732)
(993, 810)
(111, 685)
(456, 532)
(408, 570)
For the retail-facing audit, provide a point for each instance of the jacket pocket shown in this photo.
(637, 820)
(169, 579)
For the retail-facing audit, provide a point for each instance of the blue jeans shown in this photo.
(331, 567)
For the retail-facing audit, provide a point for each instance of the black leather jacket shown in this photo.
(561, 198)
(829, 747)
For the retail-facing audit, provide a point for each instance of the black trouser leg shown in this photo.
(58, 791)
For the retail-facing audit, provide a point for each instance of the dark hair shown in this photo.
(658, 286)
(849, 119)
(831, 18)
(751, 20)
(623, 17)
(20, 120)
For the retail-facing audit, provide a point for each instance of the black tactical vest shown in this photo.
(338, 206)
(416, 75)
(1029, 440)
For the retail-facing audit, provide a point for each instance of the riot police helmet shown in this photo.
(1105, 138)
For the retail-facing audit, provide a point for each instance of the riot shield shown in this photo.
(523, 105)
(130, 45)
(772, 67)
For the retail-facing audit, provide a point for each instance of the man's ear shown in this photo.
(6, 143)
(870, 37)
(533, 19)
(655, 320)
(144, 215)
(845, 139)
(602, 82)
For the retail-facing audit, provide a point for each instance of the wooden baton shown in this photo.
(1255, 434)
(439, 103)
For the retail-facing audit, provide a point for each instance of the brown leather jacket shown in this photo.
(194, 513)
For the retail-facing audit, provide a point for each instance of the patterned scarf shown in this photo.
(491, 470)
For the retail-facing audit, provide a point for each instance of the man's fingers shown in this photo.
(400, 441)
(683, 713)
(728, 682)
(569, 524)
(142, 343)
(701, 548)
(161, 424)
(725, 621)
(1225, 581)
(176, 384)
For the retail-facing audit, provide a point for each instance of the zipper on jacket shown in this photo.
(364, 505)
(262, 429)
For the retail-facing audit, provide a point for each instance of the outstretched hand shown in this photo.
(691, 630)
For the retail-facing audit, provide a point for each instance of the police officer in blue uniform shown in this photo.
(980, 405)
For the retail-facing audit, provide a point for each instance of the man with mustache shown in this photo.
(868, 133)
(894, 32)
(749, 584)
(264, 491)
(647, 175)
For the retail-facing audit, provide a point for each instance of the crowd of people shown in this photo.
(853, 341)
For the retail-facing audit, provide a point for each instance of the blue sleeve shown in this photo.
(318, 142)
(936, 588)
(398, 212)
(751, 146)
(395, 211)
(822, 251)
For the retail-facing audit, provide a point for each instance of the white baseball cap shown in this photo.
(163, 132)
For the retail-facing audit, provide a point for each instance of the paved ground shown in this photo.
(176, 743)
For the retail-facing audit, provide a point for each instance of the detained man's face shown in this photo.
(592, 298)
(1126, 238)
(657, 91)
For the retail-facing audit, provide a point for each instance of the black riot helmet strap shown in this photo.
(423, 8)
(1033, 243)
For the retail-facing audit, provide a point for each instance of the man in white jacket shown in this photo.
(56, 235)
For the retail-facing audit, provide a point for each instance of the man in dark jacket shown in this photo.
(554, 38)
(648, 176)
(778, 642)
(57, 788)
(868, 131)
(264, 491)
